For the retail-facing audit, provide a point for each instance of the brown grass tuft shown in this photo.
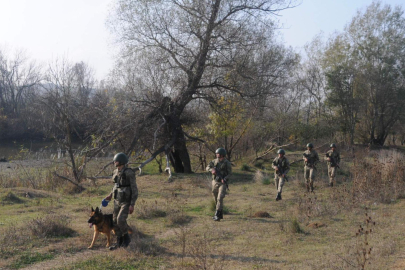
(51, 226)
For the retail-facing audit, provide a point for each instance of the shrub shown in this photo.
(259, 164)
(51, 226)
(148, 211)
(262, 177)
(295, 226)
(11, 198)
(245, 167)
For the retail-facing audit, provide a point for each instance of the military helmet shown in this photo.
(310, 145)
(281, 151)
(221, 151)
(333, 145)
(121, 158)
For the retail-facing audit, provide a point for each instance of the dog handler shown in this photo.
(125, 193)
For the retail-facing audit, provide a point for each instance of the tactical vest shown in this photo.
(276, 162)
(311, 156)
(334, 156)
(223, 169)
(122, 187)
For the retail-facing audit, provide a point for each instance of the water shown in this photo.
(30, 150)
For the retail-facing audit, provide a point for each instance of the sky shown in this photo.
(76, 30)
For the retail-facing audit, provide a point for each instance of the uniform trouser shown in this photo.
(331, 173)
(279, 182)
(309, 174)
(218, 191)
(120, 215)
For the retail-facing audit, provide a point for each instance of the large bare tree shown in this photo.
(186, 50)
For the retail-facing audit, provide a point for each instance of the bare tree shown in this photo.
(62, 108)
(18, 77)
(197, 48)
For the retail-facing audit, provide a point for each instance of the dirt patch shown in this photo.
(167, 234)
(316, 225)
(262, 214)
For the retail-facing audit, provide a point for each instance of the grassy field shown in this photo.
(174, 229)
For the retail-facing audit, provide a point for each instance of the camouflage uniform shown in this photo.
(335, 156)
(218, 188)
(285, 167)
(309, 168)
(125, 194)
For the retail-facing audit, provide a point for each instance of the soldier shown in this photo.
(125, 194)
(333, 159)
(281, 167)
(310, 159)
(220, 169)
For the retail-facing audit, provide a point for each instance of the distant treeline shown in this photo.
(194, 85)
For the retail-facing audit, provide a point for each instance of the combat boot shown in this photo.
(118, 244)
(220, 214)
(307, 187)
(331, 184)
(126, 240)
(312, 188)
(217, 215)
(278, 196)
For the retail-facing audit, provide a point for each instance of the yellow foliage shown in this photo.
(226, 118)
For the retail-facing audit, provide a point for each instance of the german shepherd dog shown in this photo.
(103, 223)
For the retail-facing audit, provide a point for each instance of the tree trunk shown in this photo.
(181, 157)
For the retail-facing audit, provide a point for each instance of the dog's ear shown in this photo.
(97, 210)
(92, 210)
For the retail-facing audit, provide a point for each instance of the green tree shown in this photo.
(228, 124)
(344, 85)
(370, 66)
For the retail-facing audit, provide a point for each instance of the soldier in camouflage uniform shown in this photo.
(310, 159)
(125, 194)
(281, 167)
(333, 159)
(224, 167)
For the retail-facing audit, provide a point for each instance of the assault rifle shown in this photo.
(280, 171)
(333, 162)
(310, 162)
(219, 177)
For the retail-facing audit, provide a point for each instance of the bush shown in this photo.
(245, 167)
(295, 226)
(178, 218)
(51, 226)
(147, 211)
(261, 177)
(11, 198)
(259, 164)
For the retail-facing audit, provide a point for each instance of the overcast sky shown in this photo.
(75, 29)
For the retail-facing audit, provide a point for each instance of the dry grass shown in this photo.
(302, 224)
(51, 226)
(380, 176)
